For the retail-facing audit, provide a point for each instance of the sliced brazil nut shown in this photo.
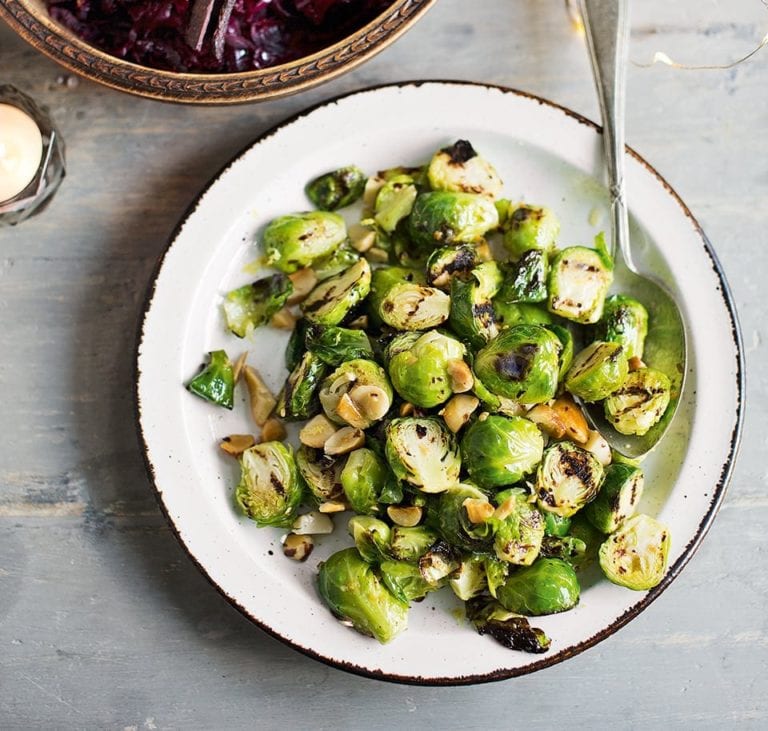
(273, 430)
(304, 281)
(372, 402)
(236, 444)
(298, 547)
(261, 400)
(478, 510)
(458, 410)
(316, 432)
(460, 376)
(313, 523)
(345, 440)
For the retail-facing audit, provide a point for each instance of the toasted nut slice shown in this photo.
(571, 415)
(505, 509)
(442, 281)
(359, 323)
(347, 409)
(405, 515)
(261, 399)
(377, 255)
(635, 363)
(345, 440)
(316, 432)
(371, 401)
(483, 416)
(510, 407)
(312, 524)
(237, 369)
(298, 547)
(478, 511)
(548, 420)
(458, 410)
(406, 409)
(597, 445)
(236, 444)
(361, 237)
(273, 430)
(372, 187)
(460, 376)
(283, 319)
(304, 281)
(332, 506)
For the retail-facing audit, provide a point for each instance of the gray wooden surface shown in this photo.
(104, 622)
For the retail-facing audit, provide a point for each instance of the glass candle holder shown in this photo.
(31, 157)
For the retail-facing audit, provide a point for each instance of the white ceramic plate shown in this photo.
(545, 154)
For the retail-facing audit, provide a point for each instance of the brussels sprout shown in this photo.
(520, 313)
(421, 374)
(507, 628)
(401, 343)
(635, 556)
(356, 393)
(410, 306)
(449, 262)
(618, 498)
(529, 228)
(354, 593)
(336, 345)
(298, 239)
(521, 363)
(362, 478)
(336, 263)
(556, 525)
(469, 580)
(371, 537)
(270, 490)
(640, 402)
(384, 278)
(500, 450)
(579, 279)
(566, 341)
(405, 581)
(582, 530)
(439, 562)
(567, 479)
(496, 573)
(597, 371)
(423, 452)
(245, 308)
(546, 587)
(321, 473)
(453, 522)
(459, 168)
(216, 381)
(410, 544)
(517, 538)
(527, 281)
(444, 217)
(472, 316)
(296, 344)
(567, 548)
(331, 301)
(394, 202)
(337, 189)
(298, 398)
(624, 321)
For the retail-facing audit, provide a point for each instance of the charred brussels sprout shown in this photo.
(528, 228)
(354, 593)
(270, 490)
(527, 281)
(624, 321)
(332, 300)
(500, 450)
(438, 563)
(363, 477)
(449, 262)
(384, 279)
(520, 313)
(423, 452)
(519, 534)
(521, 363)
(299, 239)
(245, 308)
(356, 393)
(410, 306)
(444, 217)
(337, 189)
(635, 555)
(453, 519)
(469, 581)
(472, 317)
(547, 587)
(298, 398)
(410, 544)
(421, 374)
(640, 402)
(216, 381)
(336, 345)
(618, 498)
(579, 279)
(567, 479)
(507, 628)
(371, 537)
(597, 371)
(296, 344)
(567, 548)
(394, 202)
(405, 581)
(336, 263)
(459, 168)
(321, 473)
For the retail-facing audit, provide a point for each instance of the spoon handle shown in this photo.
(607, 28)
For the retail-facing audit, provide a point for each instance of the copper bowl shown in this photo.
(30, 19)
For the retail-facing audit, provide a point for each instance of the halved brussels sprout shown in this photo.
(618, 498)
(527, 280)
(472, 316)
(321, 473)
(453, 521)
(567, 479)
(469, 581)
(529, 228)
(357, 393)
(624, 321)
(216, 381)
(400, 343)
(423, 452)
(411, 306)
(640, 402)
(245, 308)
(394, 201)
(410, 544)
(459, 168)
(507, 628)
(332, 300)
(270, 490)
(337, 189)
(336, 263)
(421, 374)
(567, 548)
(500, 450)
(336, 345)
(298, 239)
(521, 363)
(566, 340)
(579, 279)
(520, 313)
(298, 398)
(405, 581)
(556, 525)
(363, 477)
(371, 537)
(546, 587)
(635, 555)
(597, 371)
(449, 262)
(443, 218)
(517, 538)
(296, 344)
(438, 563)
(355, 594)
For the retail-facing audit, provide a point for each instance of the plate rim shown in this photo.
(672, 572)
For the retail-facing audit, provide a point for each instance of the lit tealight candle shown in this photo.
(21, 150)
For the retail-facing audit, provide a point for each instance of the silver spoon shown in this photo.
(606, 23)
